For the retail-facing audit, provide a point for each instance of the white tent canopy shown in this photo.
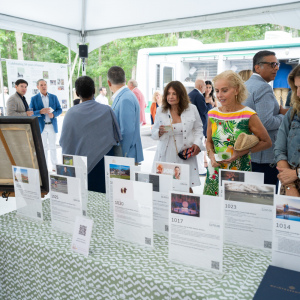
(99, 22)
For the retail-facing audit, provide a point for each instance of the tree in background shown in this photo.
(121, 52)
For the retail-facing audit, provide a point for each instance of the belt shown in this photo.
(48, 123)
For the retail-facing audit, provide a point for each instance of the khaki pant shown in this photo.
(281, 95)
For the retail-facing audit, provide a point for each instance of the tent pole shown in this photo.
(70, 73)
(2, 86)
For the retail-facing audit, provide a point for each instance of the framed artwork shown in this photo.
(21, 145)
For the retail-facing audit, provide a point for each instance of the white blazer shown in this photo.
(192, 129)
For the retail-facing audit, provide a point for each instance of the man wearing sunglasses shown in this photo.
(261, 98)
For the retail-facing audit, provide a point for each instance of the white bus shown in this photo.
(191, 59)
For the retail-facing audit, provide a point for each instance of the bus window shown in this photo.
(167, 75)
(157, 77)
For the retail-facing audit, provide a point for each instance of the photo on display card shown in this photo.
(59, 184)
(45, 75)
(21, 175)
(21, 72)
(68, 160)
(185, 205)
(232, 176)
(64, 103)
(35, 91)
(149, 178)
(256, 194)
(165, 169)
(52, 82)
(65, 171)
(62, 81)
(61, 88)
(13, 83)
(288, 209)
(58, 81)
(119, 171)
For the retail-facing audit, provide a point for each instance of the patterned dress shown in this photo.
(226, 127)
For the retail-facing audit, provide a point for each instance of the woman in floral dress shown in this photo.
(225, 124)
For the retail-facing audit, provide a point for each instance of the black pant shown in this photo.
(270, 173)
(96, 178)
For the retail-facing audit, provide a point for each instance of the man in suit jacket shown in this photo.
(47, 108)
(133, 86)
(127, 111)
(262, 100)
(17, 104)
(197, 98)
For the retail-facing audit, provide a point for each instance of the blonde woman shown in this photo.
(245, 74)
(225, 123)
(286, 149)
(156, 102)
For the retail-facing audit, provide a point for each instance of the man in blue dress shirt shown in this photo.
(47, 108)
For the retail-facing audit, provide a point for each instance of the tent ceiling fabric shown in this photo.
(103, 22)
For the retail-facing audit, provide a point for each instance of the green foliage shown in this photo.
(122, 52)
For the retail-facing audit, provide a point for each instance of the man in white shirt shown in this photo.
(6, 96)
(101, 98)
(47, 108)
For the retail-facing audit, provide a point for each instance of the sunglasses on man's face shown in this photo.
(272, 64)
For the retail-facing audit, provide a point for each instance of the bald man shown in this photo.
(197, 98)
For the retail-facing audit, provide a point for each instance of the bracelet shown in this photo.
(208, 151)
(289, 186)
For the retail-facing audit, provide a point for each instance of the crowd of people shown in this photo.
(210, 118)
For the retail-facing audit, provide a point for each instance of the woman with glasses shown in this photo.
(287, 145)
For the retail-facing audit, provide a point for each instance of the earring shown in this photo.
(236, 98)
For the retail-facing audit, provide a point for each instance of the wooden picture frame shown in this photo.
(21, 145)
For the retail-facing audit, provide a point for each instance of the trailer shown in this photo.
(192, 59)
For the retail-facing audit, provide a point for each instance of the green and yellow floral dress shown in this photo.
(226, 127)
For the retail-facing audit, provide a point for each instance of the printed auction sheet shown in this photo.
(65, 202)
(180, 174)
(28, 192)
(196, 230)
(248, 214)
(82, 235)
(286, 233)
(162, 185)
(76, 167)
(133, 212)
(117, 167)
(239, 176)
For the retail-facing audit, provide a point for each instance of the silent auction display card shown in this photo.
(117, 167)
(162, 185)
(179, 172)
(28, 192)
(196, 230)
(65, 202)
(133, 212)
(248, 214)
(286, 233)
(76, 166)
(239, 176)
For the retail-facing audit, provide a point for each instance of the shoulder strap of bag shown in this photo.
(173, 134)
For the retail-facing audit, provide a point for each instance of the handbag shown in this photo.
(184, 154)
(245, 141)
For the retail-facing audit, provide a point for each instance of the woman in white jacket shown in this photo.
(177, 127)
